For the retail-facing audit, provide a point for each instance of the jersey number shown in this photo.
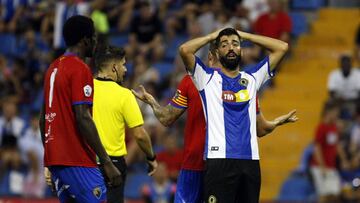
(52, 81)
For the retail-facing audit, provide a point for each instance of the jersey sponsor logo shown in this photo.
(97, 192)
(240, 96)
(87, 90)
(214, 148)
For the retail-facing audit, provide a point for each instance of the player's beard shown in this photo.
(230, 64)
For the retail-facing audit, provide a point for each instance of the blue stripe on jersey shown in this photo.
(236, 121)
(82, 102)
(237, 130)
(203, 99)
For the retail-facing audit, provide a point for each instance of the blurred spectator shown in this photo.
(101, 21)
(171, 156)
(12, 16)
(255, 8)
(355, 141)
(145, 34)
(11, 128)
(10, 124)
(323, 164)
(9, 83)
(32, 150)
(144, 72)
(344, 86)
(357, 45)
(64, 10)
(160, 189)
(47, 23)
(276, 23)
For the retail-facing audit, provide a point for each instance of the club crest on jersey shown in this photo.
(97, 192)
(212, 199)
(87, 90)
(243, 82)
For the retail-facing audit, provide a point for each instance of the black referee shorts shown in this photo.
(232, 181)
(116, 194)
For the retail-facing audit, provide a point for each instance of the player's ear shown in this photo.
(113, 69)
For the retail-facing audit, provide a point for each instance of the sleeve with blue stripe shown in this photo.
(262, 72)
(201, 74)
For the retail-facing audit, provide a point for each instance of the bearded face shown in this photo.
(229, 52)
(231, 60)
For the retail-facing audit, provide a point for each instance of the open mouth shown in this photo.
(231, 55)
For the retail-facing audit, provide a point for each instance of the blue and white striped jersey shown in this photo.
(230, 109)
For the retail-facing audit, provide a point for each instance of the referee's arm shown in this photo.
(144, 142)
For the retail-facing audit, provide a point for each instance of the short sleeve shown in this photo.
(201, 74)
(180, 99)
(286, 23)
(261, 72)
(332, 81)
(131, 111)
(82, 85)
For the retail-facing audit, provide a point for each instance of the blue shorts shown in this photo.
(82, 184)
(189, 187)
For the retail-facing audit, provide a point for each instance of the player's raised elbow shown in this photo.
(184, 50)
(284, 46)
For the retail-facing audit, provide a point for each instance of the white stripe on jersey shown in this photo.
(230, 109)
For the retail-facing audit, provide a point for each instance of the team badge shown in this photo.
(87, 90)
(97, 192)
(212, 199)
(243, 82)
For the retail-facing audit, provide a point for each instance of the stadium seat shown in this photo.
(118, 40)
(299, 23)
(134, 183)
(297, 188)
(164, 68)
(8, 44)
(307, 4)
(172, 47)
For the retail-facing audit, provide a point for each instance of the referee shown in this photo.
(114, 107)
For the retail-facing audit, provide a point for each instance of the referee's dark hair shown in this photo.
(226, 32)
(76, 28)
(105, 54)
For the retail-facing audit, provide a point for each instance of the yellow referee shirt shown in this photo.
(114, 106)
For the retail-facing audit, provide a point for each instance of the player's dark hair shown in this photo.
(106, 54)
(76, 28)
(226, 32)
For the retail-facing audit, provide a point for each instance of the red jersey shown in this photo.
(187, 97)
(327, 137)
(68, 82)
(273, 26)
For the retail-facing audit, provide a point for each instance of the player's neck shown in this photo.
(230, 73)
(76, 51)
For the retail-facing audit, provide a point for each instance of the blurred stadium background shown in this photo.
(319, 32)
